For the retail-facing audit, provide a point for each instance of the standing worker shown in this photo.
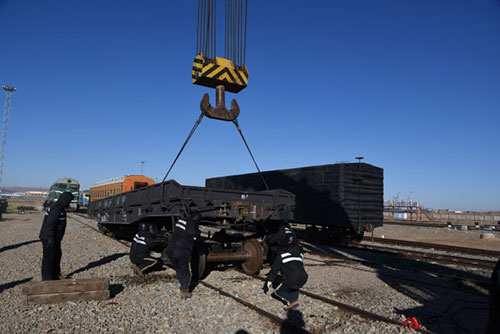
(51, 234)
(145, 241)
(180, 250)
(287, 273)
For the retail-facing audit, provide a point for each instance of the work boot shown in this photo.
(137, 271)
(184, 294)
(292, 306)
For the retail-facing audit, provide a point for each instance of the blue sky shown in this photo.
(411, 85)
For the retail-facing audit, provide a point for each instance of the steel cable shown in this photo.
(198, 30)
(245, 36)
(235, 122)
(183, 146)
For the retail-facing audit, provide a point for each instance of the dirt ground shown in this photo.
(470, 238)
(14, 203)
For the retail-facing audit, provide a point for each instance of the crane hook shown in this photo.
(220, 111)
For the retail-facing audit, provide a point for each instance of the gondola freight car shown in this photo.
(337, 201)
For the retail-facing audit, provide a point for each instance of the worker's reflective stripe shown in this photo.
(139, 241)
(180, 226)
(153, 262)
(286, 254)
(287, 230)
(138, 237)
(183, 222)
(288, 259)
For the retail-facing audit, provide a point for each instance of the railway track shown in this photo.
(274, 318)
(446, 248)
(438, 258)
(464, 282)
(486, 228)
(432, 257)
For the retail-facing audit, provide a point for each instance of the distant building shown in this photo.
(36, 193)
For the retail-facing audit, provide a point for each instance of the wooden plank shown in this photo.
(63, 286)
(50, 298)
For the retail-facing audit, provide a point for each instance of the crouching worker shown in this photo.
(146, 240)
(51, 234)
(287, 273)
(180, 250)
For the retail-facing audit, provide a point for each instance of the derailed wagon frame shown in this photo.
(162, 203)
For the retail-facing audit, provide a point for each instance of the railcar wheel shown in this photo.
(254, 263)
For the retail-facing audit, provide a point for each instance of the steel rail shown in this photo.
(370, 262)
(448, 248)
(399, 277)
(439, 225)
(263, 312)
(274, 318)
(126, 244)
(441, 258)
(352, 309)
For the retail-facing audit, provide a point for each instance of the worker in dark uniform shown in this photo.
(146, 240)
(494, 321)
(287, 274)
(275, 236)
(51, 234)
(180, 250)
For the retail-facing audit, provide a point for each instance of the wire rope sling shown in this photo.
(222, 73)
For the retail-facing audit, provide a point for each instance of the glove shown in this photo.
(266, 287)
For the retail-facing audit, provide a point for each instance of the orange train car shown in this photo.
(118, 185)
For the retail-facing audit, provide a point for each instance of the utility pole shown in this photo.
(142, 167)
(359, 188)
(6, 113)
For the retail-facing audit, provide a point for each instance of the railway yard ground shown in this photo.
(446, 299)
(444, 236)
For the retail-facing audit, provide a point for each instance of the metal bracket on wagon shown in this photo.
(220, 111)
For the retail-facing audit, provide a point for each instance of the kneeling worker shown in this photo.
(180, 250)
(145, 241)
(289, 261)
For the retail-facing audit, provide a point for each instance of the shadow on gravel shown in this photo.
(114, 290)
(443, 292)
(294, 323)
(149, 279)
(95, 264)
(14, 284)
(3, 249)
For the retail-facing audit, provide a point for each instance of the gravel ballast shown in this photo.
(153, 305)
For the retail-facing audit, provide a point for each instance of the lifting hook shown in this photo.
(220, 111)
